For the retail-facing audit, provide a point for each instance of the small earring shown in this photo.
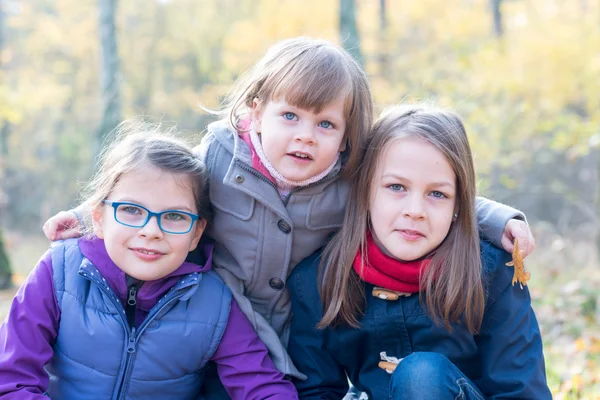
(455, 216)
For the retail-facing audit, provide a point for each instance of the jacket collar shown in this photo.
(234, 144)
(231, 141)
(150, 292)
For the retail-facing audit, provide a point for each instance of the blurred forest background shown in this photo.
(524, 74)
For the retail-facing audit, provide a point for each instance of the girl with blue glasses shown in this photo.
(119, 313)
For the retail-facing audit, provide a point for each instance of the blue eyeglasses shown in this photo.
(137, 216)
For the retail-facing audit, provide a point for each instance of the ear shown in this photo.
(97, 222)
(256, 115)
(343, 145)
(198, 231)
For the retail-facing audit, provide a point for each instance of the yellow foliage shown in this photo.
(519, 275)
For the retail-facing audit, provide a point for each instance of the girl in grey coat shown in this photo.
(294, 128)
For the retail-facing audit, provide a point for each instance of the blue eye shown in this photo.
(396, 187)
(175, 216)
(129, 209)
(290, 116)
(438, 195)
(326, 124)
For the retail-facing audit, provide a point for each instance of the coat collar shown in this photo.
(95, 251)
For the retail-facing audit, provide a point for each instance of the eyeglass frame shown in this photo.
(116, 204)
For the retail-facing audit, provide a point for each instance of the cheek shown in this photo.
(444, 221)
(381, 211)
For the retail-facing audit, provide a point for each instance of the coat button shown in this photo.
(239, 178)
(276, 283)
(284, 226)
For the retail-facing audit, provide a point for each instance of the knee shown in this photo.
(418, 374)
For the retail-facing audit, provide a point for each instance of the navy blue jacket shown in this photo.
(504, 360)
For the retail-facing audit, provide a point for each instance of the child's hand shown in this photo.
(63, 225)
(517, 229)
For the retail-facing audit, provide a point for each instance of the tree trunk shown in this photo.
(383, 58)
(5, 129)
(597, 201)
(143, 98)
(497, 17)
(5, 270)
(109, 71)
(348, 29)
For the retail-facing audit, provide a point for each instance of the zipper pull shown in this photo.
(131, 302)
(131, 344)
(131, 298)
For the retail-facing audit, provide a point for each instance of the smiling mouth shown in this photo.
(303, 156)
(149, 252)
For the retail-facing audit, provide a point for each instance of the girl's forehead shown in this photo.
(148, 180)
(409, 155)
(313, 97)
(336, 106)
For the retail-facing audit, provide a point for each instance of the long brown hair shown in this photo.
(452, 285)
(309, 74)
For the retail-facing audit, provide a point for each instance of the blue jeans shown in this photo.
(431, 376)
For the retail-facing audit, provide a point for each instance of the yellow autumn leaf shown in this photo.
(520, 275)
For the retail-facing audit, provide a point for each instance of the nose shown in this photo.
(151, 229)
(305, 134)
(413, 208)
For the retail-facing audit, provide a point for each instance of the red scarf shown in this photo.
(387, 272)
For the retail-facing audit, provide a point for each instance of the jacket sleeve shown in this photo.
(27, 335)
(326, 378)
(510, 342)
(492, 218)
(244, 366)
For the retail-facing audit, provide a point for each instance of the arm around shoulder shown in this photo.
(510, 341)
(492, 218)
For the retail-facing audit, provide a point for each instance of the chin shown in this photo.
(295, 178)
(408, 255)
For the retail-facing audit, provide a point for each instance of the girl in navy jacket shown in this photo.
(406, 302)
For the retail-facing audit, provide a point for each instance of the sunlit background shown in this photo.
(524, 74)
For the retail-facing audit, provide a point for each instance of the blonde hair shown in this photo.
(137, 144)
(452, 286)
(309, 74)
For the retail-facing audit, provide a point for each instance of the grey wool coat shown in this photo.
(260, 237)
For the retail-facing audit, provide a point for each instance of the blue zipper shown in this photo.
(132, 344)
(132, 334)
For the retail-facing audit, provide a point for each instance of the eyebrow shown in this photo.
(175, 208)
(435, 184)
(335, 117)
